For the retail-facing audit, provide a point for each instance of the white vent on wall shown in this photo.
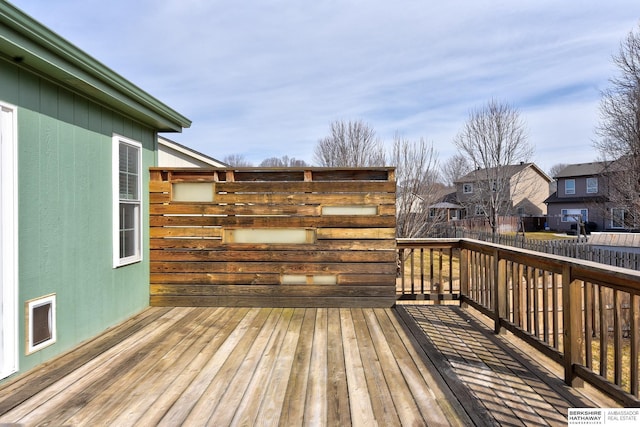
(41, 323)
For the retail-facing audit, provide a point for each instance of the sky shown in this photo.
(266, 78)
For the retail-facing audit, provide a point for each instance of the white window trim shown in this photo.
(9, 250)
(117, 261)
(573, 190)
(566, 212)
(464, 188)
(613, 216)
(593, 187)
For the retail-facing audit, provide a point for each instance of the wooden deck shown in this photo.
(411, 365)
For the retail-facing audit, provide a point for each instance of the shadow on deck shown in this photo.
(410, 365)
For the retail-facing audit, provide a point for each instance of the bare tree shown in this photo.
(283, 162)
(493, 140)
(350, 144)
(619, 134)
(556, 169)
(553, 172)
(237, 160)
(454, 168)
(418, 186)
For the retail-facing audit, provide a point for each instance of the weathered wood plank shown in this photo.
(23, 387)
(300, 255)
(236, 381)
(316, 394)
(274, 397)
(379, 393)
(340, 199)
(107, 405)
(307, 187)
(321, 245)
(361, 409)
(261, 279)
(279, 301)
(338, 413)
(356, 233)
(266, 267)
(187, 377)
(335, 221)
(271, 291)
(192, 403)
(295, 396)
(93, 380)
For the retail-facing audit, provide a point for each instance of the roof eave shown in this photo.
(33, 46)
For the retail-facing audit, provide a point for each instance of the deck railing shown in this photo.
(584, 315)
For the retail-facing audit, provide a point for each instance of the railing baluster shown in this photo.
(617, 338)
(422, 271)
(604, 332)
(412, 267)
(634, 337)
(536, 303)
(588, 321)
(545, 306)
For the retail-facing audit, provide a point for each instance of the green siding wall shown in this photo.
(65, 210)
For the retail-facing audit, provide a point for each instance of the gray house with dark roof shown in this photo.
(581, 194)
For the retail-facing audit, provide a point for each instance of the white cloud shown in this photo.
(265, 78)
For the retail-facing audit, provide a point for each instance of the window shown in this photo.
(618, 218)
(570, 186)
(479, 210)
(127, 205)
(592, 185)
(573, 215)
(467, 188)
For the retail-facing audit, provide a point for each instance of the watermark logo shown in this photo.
(617, 417)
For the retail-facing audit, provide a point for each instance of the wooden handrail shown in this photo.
(579, 313)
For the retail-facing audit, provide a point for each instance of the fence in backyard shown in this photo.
(575, 247)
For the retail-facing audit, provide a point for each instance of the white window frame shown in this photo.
(592, 185)
(570, 189)
(467, 188)
(119, 261)
(9, 249)
(613, 216)
(564, 213)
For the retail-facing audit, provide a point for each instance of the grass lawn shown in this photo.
(542, 235)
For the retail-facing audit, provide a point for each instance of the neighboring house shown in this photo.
(447, 209)
(172, 154)
(76, 144)
(580, 195)
(523, 189)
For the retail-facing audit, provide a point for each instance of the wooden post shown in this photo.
(572, 326)
(464, 275)
(634, 335)
(499, 291)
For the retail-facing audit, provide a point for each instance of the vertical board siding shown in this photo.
(347, 260)
(65, 204)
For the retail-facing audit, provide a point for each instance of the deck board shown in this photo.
(289, 366)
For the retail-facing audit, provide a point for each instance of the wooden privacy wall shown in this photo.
(311, 237)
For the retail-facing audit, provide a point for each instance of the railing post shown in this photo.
(464, 275)
(499, 290)
(572, 326)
